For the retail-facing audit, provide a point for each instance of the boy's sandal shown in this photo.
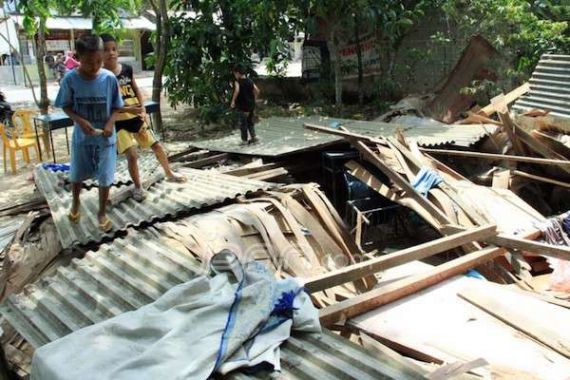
(74, 217)
(105, 225)
(178, 178)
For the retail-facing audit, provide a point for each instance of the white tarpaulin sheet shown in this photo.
(238, 318)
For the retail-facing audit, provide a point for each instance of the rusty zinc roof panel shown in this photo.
(280, 136)
(549, 87)
(137, 269)
(164, 199)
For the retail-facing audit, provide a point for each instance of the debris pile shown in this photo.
(252, 264)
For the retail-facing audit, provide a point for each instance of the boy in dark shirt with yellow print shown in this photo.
(132, 130)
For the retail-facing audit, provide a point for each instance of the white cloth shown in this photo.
(184, 333)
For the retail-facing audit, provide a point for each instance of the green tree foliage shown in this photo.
(210, 36)
(105, 15)
(521, 30)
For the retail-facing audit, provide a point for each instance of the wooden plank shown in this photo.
(558, 251)
(269, 174)
(473, 118)
(552, 143)
(507, 99)
(509, 129)
(531, 316)
(501, 179)
(496, 157)
(400, 182)
(343, 133)
(244, 170)
(177, 156)
(419, 252)
(402, 288)
(358, 171)
(435, 322)
(386, 355)
(207, 161)
(540, 178)
(538, 147)
(445, 186)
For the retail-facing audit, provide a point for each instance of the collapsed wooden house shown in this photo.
(454, 293)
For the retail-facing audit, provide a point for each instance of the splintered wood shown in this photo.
(295, 231)
(451, 204)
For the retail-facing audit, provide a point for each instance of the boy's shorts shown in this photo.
(144, 138)
(88, 161)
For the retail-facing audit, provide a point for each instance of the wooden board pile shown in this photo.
(448, 207)
(295, 231)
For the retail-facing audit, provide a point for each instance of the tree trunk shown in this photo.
(336, 69)
(359, 59)
(161, 50)
(40, 54)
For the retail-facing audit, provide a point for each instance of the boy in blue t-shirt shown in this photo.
(89, 95)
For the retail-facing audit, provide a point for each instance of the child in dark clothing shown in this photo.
(243, 100)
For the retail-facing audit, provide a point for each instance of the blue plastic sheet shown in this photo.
(426, 180)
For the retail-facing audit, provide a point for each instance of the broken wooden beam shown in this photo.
(419, 252)
(362, 303)
(505, 100)
(540, 178)
(497, 157)
(538, 147)
(558, 251)
(510, 130)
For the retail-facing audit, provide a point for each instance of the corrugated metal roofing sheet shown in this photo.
(147, 165)
(136, 270)
(549, 87)
(122, 276)
(8, 229)
(281, 136)
(164, 199)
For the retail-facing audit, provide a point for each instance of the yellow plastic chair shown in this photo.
(23, 122)
(11, 144)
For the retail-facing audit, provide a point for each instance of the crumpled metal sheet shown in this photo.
(549, 87)
(137, 269)
(122, 276)
(280, 136)
(164, 199)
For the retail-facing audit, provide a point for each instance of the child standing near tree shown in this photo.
(89, 95)
(243, 100)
